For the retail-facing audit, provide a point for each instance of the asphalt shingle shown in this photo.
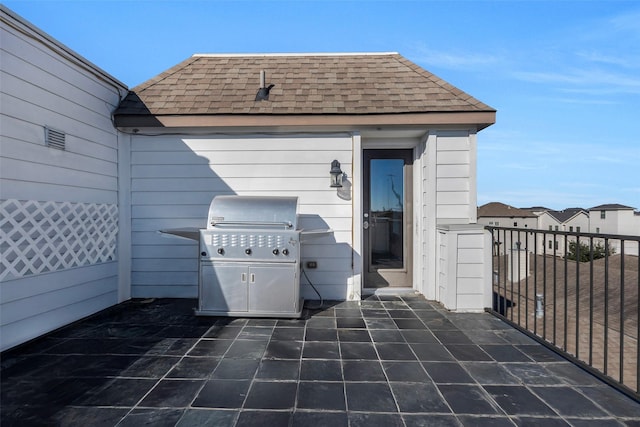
(304, 84)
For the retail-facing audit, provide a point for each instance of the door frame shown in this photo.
(417, 143)
(402, 274)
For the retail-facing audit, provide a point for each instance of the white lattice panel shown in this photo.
(36, 237)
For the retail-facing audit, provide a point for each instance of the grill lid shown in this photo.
(253, 212)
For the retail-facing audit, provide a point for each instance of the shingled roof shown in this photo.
(208, 88)
(566, 214)
(500, 210)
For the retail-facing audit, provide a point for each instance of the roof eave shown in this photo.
(478, 119)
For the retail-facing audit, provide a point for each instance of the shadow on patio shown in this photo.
(384, 361)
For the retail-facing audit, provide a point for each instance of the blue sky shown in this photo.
(563, 75)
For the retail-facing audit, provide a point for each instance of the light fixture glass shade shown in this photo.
(336, 174)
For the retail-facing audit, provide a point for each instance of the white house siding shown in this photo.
(174, 178)
(455, 180)
(447, 164)
(58, 225)
(617, 221)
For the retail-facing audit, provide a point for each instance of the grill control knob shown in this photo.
(221, 251)
(276, 251)
(285, 252)
(247, 251)
(203, 253)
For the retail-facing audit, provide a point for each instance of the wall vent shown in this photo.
(54, 138)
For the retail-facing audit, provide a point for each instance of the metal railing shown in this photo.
(577, 293)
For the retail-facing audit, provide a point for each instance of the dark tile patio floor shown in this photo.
(385, 361)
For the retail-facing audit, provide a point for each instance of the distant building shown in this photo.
(570, 219)
(500, 215)
(616, 219)
(602, 219)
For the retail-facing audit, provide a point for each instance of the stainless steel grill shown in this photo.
(250, 257)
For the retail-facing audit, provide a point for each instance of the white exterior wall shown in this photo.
(59, 212)
(455, 175)
(621, 221)
(455, 260)
(174, 178)
(580, 220)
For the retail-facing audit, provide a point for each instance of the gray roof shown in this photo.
(566, 214)
(500, 210)
(611, 207)
(305, 84)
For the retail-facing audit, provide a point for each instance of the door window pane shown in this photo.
(387, 212)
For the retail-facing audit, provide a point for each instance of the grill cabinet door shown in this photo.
(223, 287)
(273, 287)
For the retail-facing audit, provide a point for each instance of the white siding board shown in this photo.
(170, 211)
(33, 113)
(164, 264)
(45, 60)
(41, 154)
(231, 171)
(470, 270)
(470, 301)
(32, 327)
(453, 184)
(452, 171)
(453, 157)
(451, 211)
(164, 291)
(471, 241)
(25, 170)
(28, 286)
(313, 251)
(175, 251)
(156, 224)
(18, 310)
(230, 143)
(213, 184)
(453, 197)
(184, 278)
(474, 255)
(20, 190)
(453, 140)
(239, 157)
(154, 238)
(159, 197)
(26, 81)
(99, 150)
(468, 286)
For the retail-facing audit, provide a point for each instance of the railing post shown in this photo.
(622, 301)
(606, 305)
(578, 260)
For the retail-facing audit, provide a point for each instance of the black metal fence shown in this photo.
(575, 292)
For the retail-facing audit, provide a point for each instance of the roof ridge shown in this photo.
(290, 54)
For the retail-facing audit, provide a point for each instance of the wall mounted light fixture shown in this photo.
(336, 174)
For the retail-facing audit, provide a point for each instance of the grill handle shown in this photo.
(287, 224)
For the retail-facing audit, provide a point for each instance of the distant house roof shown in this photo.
(611, 207)
(339, 89)
(497, 209)
(536, 209)
(566, 214)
